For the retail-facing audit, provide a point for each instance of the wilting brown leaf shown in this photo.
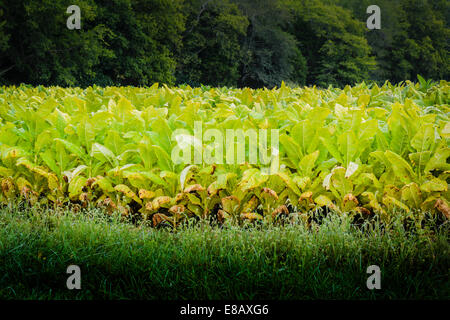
(179, 197)
(350, 198)
(193, 188)
(149, 206)
(160, 201)
(270, 193)
(177, 209)
(90, 181)
(222, 216)
(443, 208)
(363, 211)
(349, 202)
(212, 190)
(7, 187)
(158, 218)
(251, 204)
(109, 205)
(145, 194)
(124, 211)
(280, 210)
(84, 198)
(306, 196)
(128, 192)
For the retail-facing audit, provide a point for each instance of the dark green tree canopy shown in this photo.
(211, 51)
(241, 43)
(414, 38)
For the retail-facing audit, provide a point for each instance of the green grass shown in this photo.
(120, 260)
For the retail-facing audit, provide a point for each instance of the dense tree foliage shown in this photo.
(414, 38)
(222, 42)
(211, 52)
(337, 52)
(121, 42)
(268, 50)
(39, 48)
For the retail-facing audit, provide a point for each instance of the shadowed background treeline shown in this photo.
(237, 43)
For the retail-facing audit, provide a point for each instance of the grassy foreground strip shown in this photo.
(119, 260)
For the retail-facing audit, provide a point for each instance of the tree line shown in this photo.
(238, 43)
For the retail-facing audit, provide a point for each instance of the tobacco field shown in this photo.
(365, 150)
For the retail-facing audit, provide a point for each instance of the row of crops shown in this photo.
(364, 149)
